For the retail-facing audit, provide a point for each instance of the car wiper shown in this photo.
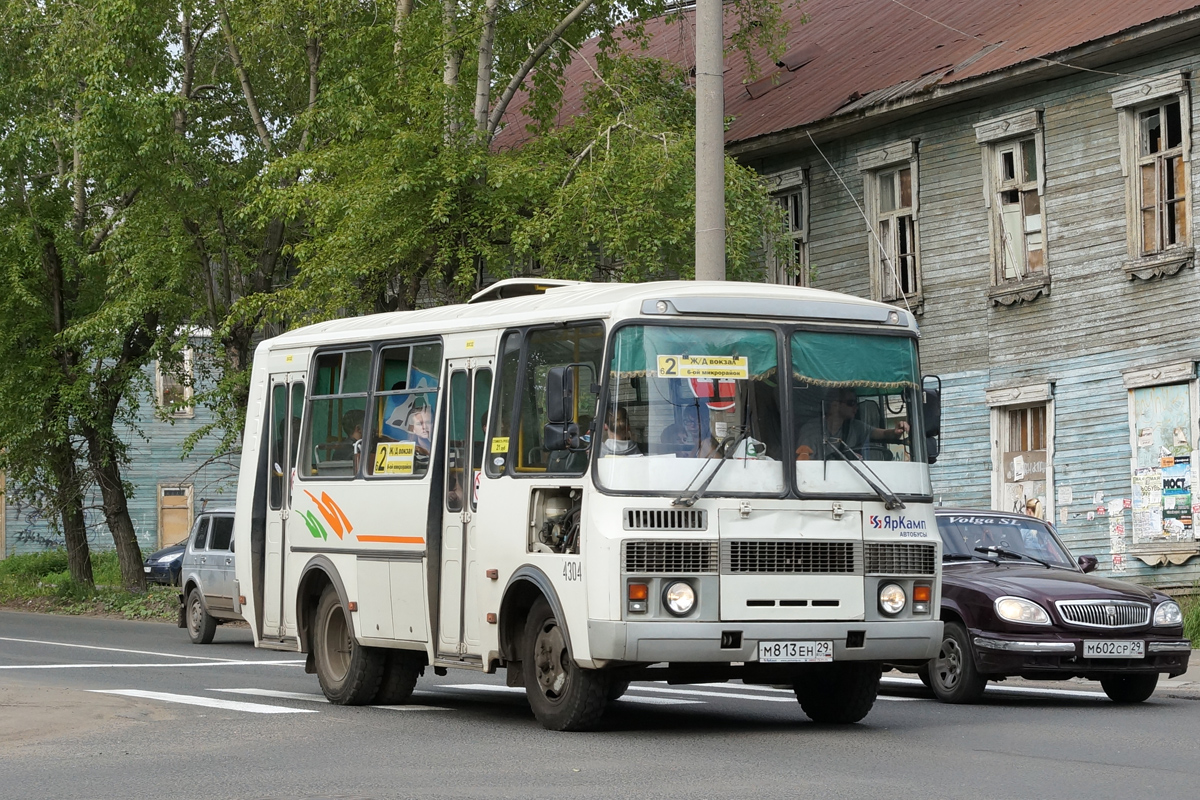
(1004, 551)
(889, 498)
(962, 557)
(728, 445)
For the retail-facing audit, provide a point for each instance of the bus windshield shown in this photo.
(855, 405)
(680, 398)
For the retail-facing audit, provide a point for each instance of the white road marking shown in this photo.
(207, 702)
(312, 697)
(113, 649)
(703, 693)
(1017, 690)
(224, 663)
(487, 687)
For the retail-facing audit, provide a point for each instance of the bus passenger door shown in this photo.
(467, 406)
(287, 402)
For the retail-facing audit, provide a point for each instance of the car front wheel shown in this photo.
(200, 625)
(953, 675)
(1129, 688)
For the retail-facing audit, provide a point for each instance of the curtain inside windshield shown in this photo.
(855, 360)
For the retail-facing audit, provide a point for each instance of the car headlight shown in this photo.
(679, 598)
(167, 559)
(1018, 609)
(1168, 613)
(892, 599)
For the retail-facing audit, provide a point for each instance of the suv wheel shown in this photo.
(200, 625)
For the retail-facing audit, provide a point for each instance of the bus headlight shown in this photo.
(679, 598)
(892, 599)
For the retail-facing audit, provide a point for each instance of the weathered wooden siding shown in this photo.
(1095, 322)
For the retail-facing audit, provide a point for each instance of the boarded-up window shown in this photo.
(895, 227)
(1023, 455)
(1164, 471)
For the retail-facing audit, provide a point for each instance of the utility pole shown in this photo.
(710, 141)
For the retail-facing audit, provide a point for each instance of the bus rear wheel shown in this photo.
(563, 696)
(349, 672)
(840, 693)
(400, 673)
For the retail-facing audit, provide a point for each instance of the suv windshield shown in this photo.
(856, 417)
(681, 397)
(962, 533)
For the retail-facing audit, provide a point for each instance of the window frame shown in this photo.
(372, 393)
(161, 379)
(1002, 403)
(791, 190)
(1131, 101)
(885, 279)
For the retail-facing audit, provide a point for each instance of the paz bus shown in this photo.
(590, 484)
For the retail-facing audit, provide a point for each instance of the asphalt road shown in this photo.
(96, 708)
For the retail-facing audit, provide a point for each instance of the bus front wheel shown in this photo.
(839, 693)
(349, 672)
(563, 696)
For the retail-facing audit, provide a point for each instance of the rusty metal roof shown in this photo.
(853, 55)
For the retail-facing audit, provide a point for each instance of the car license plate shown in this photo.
(1094, 648)
(794, 652)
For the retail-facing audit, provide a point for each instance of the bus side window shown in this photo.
(498, 450)
(580, 344)
(337, 414)
(398, 440)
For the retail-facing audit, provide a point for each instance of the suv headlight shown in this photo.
(1018, 609)
(1168, 613)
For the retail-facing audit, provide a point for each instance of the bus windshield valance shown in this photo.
(854, 360)
(645, 351)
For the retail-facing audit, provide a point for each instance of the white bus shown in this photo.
(590, 484)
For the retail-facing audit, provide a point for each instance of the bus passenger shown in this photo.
(617, 439)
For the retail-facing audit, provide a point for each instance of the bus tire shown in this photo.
(840, 693)
(400, 672)
(617, 690)
(349, 672)
(200, 624)
(563, 696)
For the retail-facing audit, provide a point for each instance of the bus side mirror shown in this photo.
(932, 416)
(560, 395)
(560, 436)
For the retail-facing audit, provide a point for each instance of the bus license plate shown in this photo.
(1093, 648)
(794, 652)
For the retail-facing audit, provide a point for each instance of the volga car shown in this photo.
(207, 582)
(1014, 602)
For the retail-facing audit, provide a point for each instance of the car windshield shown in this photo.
(962, 533)
(681, 397)
(856, 414)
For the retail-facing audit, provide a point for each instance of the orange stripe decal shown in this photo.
(341, 514)
(393, 539)
(327, 513)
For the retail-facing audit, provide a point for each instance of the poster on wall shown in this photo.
(1164, 465)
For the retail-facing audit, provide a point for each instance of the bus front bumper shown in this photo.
(653, 642)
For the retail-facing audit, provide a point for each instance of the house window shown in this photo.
(1163, 434)
(173, 386)
(791, 267)
(1156, 131)
(1014, 184)
(1022, 445)
(891, 190)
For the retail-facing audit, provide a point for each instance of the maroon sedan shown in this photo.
(1014, 602)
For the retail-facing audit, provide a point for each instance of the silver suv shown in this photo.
(207, 576)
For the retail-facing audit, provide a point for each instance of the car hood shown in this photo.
(173, 550)
(1034, 582)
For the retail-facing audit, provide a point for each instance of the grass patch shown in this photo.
(41, 582)
(1191, 617)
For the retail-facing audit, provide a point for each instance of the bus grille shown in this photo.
(666, 519)
(766, 557)
(1104, 613)
(691, 558)
(888, 558)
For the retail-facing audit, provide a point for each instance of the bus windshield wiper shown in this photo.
(889, 498)
(1004, 551)
(728, 446)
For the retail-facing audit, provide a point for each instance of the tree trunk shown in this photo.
(103, 459)
(70, 505)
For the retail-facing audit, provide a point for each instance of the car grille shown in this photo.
(666, 519)
(886, 558)
(642, 557)
(1104, 613)
(808, 557)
